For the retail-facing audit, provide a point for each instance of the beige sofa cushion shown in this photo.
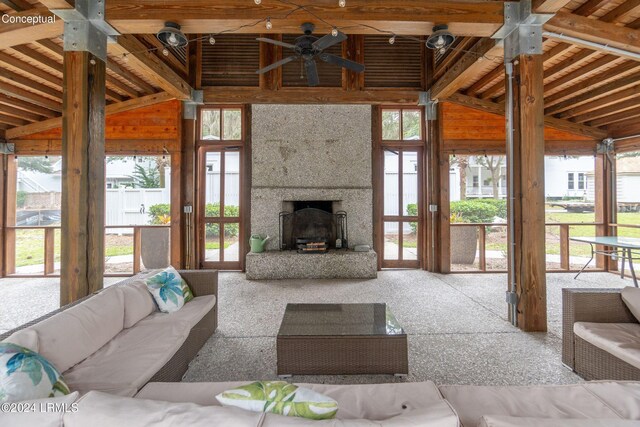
(138, 303)
(631, 297)
(42, 416)
(130, 359)
(96, 409)
(502, 421)
(369, 401)
(621, 396)
(27, 338)
(619, 339)
(71, 336)
(561, 402)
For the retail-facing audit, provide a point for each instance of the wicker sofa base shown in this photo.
(342, 355)
(593, 363)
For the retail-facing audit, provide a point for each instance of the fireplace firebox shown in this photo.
(313, 227)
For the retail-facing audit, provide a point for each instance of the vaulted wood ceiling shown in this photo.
(587, 91)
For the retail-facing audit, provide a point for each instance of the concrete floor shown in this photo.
(456, 324)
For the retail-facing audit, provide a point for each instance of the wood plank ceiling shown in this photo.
(584, 88)
(581, 85)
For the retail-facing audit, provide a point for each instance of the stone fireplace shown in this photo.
(318, 157)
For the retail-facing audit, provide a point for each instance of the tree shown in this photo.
(463, 165)
(494, 164)
(162, 162)
(35, 164)
(145, 178)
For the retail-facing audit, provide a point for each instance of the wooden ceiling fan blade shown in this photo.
(275, 65)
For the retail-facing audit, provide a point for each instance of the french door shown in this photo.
(221, 240)
(399, 140)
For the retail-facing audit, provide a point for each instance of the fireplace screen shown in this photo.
(312, 230)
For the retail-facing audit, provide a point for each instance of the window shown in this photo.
(581, 182)
(570, 183)
(221, 124)
(401, 125)
(476, 181)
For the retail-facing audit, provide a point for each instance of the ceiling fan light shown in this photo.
(171, 35)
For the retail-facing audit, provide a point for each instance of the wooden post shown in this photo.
(482, 247)
(83, 176)
(137, 247)
(564, 247)
(529, 213)
(269, 54)
(353, 49)
(49, 250)
(11, 179)
(603, 207)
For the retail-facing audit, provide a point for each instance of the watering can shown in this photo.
(257, 243)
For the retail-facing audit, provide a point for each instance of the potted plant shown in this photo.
(464, 241)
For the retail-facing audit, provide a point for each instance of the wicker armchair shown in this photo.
(585, 359)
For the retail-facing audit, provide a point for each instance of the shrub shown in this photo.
(499, 204)
(412, 210)
(473, 211)
(161, 212)
(21, 198)
(157, 212)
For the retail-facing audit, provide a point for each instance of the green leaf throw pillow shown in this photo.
(280, 398)
(25, 374)
(169, 290)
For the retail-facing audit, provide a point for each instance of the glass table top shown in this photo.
(339, 319)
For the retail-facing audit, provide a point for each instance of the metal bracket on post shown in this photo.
(607, 146)
(7, 147)
(430, 105)
(190, 107)
(85, 29)
(522, 30)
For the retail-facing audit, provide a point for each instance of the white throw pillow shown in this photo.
(25, 374)
(282, 398)
(168, 290)
(631, 297)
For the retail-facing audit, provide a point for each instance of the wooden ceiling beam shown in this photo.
(619, 117)
(21, 114)
(158, 72)
(466, 67)
(30, 69)
(306, 95)
(589, 7)
(549, 6)
(407, 17)
(115, 108)
(454, 55)
(25, 95)
(575, 59)
(614, 108)
(497, 108)
(475, 88)
(18, 33)
(17, 5)
(595, 31)
(27, 106)
(602, 96)
(584, 86)
(621, 11)
(21, 80)
(12, 121)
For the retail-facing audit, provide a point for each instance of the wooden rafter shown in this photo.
(549, 6)
(625, 8)
(19, 104)
(131, 104)
(17, 5)
(467, 66)
(592, 30)
(589, 7)
(614, 108)
(17, 34)
(618, 117)
(21, 114)
(496, 108)
(306, 95)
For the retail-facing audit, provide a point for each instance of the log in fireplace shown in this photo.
(313, 227)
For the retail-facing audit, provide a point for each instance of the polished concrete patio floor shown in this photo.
(457, 325)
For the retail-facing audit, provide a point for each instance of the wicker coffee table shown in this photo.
(339, 339)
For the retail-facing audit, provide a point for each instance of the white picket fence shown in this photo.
(130, 206)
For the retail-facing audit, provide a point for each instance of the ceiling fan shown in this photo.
(307, 48)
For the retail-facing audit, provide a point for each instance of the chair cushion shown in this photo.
(138, 302)
(43, 415)
(631, 297)
(25, 374)
(622, 340)
(621, 396)
(71, 336)
(502, 421)
(98, 409)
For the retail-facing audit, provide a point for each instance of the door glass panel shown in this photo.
(212, 242)
(391, 125)
(410, 241)
(212, 183)
(210, 129)
(391, 182)
(232, 184)
(231, 243)
(411, 125)
(410, 183)
(232, 125)
(391, 240)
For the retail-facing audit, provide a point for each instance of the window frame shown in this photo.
(403, 142)
(222, 141)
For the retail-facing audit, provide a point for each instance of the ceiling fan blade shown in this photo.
(275, 65)
(329, 40)
(276, 42)
(346, 63)
(312, 72)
